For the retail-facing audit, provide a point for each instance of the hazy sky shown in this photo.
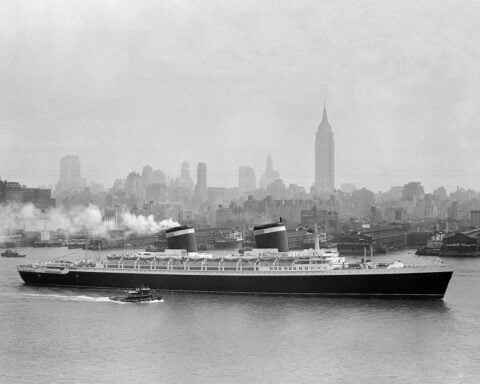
(122, 84)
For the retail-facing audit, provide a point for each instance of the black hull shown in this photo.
(458, 254)
(420, 285)
(427, 252)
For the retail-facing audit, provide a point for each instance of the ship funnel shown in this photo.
(182, 237)
(273, 235)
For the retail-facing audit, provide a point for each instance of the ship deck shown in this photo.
(281, 271)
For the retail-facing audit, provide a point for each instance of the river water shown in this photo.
(58, 335)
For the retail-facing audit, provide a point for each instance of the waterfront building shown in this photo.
(390, 237)
(300, 239)
(324, 156)
(246, 179)
(13, 192)
(475, 218)
(160, 211)
(380, 238)
(327, 221)
(419, 238)
(465, 243)
(206, 236)
(44, 222)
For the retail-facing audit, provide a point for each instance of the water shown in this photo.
(58, 335)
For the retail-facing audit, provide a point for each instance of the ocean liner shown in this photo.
(268, 269)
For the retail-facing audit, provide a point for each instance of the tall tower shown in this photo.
(324, 156)
(201, 187)
(185, 181)
(270, 174)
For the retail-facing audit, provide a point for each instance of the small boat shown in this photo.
(229, 241)
(48, 243)
(138, 295)
(10, 253)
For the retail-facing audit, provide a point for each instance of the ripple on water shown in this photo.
(57, 335)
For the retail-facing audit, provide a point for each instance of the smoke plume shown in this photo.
(86, 220)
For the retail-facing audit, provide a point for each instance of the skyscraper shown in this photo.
(185, 181)
(270, 174)
(201, 187)
(324, 156)
(246, 179)
(70, 176)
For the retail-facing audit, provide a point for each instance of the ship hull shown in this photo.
(417, 285)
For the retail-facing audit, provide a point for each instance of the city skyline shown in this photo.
(157, 84)
(174, 178)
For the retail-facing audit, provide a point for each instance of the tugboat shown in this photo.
(138, 295)
(10, 253)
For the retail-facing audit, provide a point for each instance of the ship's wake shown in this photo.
(69, 297)
(85, 298)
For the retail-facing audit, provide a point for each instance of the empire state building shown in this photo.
(324, 156)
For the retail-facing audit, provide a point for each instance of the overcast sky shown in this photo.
(122, 84)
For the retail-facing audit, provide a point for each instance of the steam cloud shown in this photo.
(88, 220)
